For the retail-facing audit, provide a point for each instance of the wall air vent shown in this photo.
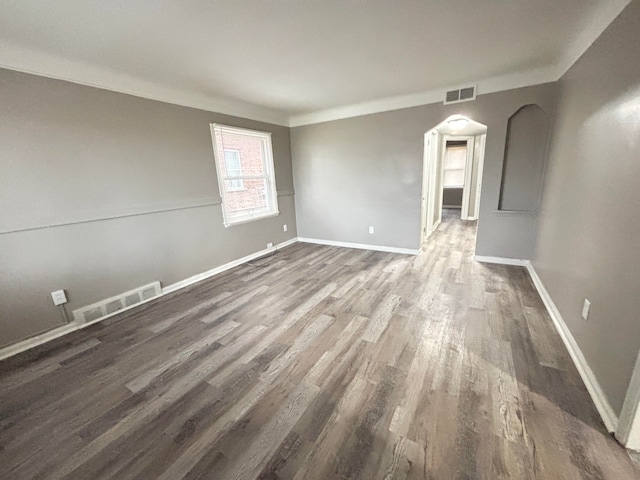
(465, 94)
(108, 306)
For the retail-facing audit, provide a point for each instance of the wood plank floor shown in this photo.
(319, 363)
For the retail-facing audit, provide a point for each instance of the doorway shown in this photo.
(452, 171)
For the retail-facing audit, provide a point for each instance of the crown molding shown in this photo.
(20, 59)
(489, 85)
(14, 57)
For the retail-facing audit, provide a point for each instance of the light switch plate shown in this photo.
(59, 297)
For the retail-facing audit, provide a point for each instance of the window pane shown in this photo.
(232, 162)
(455, 157)
(251, 199)
(233, 168)
(453, 178)
(249, 149)
(454, 163)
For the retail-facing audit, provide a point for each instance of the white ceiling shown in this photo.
(299, 61)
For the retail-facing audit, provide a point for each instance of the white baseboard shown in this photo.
(501, 260)
(607, 413)
(24, 345)
(223, 268)
(628, 432)
(361, 246)
(57, 332)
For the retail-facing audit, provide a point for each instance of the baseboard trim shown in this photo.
(37, 340)
(501, 260)
(605, 410)
(223, 268)
(361, 246)
(598, 397)
(29, 343)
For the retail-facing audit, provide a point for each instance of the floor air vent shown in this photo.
(465, 94)
(113, 304)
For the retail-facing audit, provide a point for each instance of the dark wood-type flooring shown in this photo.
(321, 363)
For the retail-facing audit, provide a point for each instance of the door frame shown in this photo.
(429, 169)
(468, 168)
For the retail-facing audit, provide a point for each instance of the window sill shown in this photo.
(240, 221)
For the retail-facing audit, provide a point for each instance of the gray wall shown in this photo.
(452, 197)
(102, 192)
(367, 170)
(589, 224)
(524, 159)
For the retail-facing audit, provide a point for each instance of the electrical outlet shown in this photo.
(371, 229)
(284, 227)
(59, 297)
(585, 309)
(270, 245)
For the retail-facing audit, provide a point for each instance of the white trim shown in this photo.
(269, 174)
(223, 268)
(483, 145)
(361, 246)
(241, 220)
(25, 60)
(24, 345)
(501, 260)
(490, 85)
(47, 336)
(628, 432)
(598, 396)
(21, 59)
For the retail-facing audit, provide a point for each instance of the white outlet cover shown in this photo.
(59, 297)
(284, 227)
(371, 229)
(270, 245)
(585, 309)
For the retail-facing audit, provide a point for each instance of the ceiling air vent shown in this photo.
(464, 94)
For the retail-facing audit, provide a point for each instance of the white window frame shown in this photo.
(462, 170)
(269, 174)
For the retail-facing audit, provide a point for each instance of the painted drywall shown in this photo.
(524, 159)
(101, 192)
(589, 223)
(367, 170)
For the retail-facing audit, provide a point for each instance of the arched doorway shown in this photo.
(452, 171)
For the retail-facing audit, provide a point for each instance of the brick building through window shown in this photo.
(244, 162)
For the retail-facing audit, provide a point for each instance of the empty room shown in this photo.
(278, 239)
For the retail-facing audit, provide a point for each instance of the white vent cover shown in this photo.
(103, 308)
(464, 94)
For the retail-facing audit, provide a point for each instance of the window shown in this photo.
(234, 168)
(244, 163)
(455, 158)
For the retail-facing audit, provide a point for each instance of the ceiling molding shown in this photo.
(596, 24)
(606, 13)
(489, 85)
(17, 58)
